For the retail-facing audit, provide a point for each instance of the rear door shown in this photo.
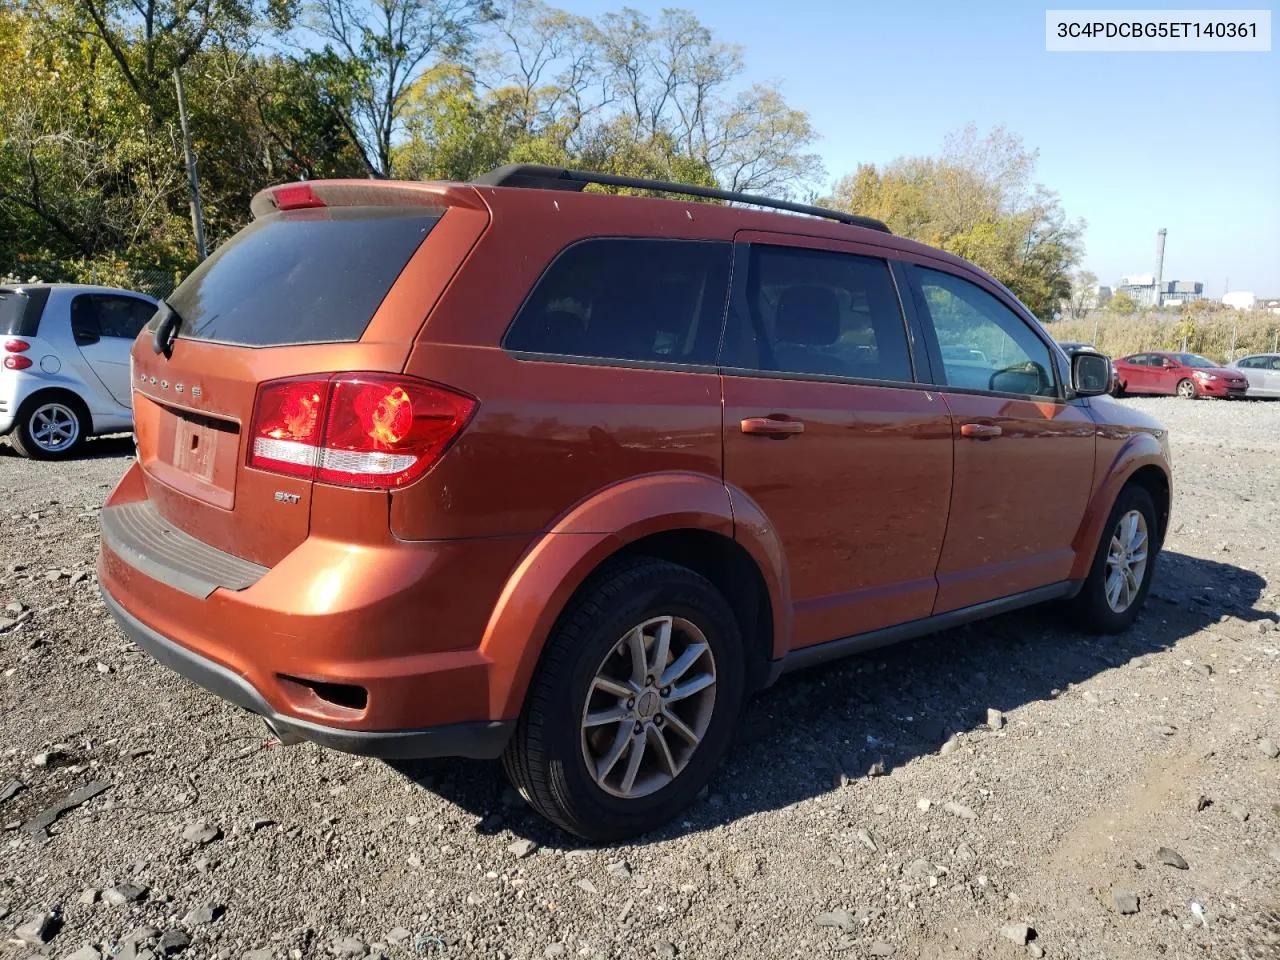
(306, 289)
(829, 432)
(1023, 454)
(1137, 372)
(104, 326)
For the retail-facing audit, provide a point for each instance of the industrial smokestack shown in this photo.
(1159, 291)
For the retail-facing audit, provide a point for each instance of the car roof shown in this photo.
(74, 287)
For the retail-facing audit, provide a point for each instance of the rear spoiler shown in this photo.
(311, 194)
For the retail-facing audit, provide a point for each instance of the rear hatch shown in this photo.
(329, 277)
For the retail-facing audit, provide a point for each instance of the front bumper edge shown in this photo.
(477, 740)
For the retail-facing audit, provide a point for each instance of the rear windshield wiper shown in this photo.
(167, 321)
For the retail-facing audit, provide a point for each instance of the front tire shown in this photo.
(633, 704)
(50, 428)
(1123, 566)
(1187, 389)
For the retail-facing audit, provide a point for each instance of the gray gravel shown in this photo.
(1070, 762)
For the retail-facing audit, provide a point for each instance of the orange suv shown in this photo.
(509, 469)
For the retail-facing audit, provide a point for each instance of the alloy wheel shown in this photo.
(1187, 390)
(649, 706)
(54, 427)
(1127, 561)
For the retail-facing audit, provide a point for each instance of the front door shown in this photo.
(828, 431)
(1023, 454)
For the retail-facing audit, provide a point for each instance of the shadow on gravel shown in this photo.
(95, 448)
(816, 729)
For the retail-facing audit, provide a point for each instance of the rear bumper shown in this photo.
(482, 740)
(372, 646)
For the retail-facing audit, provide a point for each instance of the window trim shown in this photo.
(913, 265)
(578, 359)
(105, 295)
(737, 306)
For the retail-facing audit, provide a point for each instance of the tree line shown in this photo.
(91, 165)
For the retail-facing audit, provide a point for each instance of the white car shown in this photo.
(1262, 370)
(65, 374)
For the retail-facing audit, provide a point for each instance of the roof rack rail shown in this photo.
(540, 177)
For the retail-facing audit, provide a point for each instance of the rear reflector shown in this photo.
(13, 362)
(16, 346)
(367, 430)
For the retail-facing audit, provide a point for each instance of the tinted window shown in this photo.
(658, 300)
(824, 313)
(1252, 363)
(20, 311)
(305, 276)
(985, 345)
(108, 315)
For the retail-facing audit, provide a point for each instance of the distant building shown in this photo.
(1142, 287)
(1239, 300)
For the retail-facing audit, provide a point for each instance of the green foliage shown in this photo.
(1122, 304)
(977, 200)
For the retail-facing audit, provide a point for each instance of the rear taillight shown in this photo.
(15, 362)
(16, 346)
(367, 430)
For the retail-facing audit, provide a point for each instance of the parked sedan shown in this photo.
(1262, 370)
(1187, 375)
(66, 373)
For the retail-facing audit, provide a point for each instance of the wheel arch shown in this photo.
(1141, 461)
(686, 519)
(70, 397)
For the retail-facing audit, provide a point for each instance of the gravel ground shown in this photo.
(1124, 801)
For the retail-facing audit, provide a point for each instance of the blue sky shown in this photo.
(1131, 141)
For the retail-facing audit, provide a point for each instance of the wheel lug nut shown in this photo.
(658, 720)
(631, 703)
(666, 691)
(639, 727)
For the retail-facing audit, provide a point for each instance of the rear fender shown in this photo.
(1137, 451)
(560, 561)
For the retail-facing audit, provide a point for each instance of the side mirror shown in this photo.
(1090, 374)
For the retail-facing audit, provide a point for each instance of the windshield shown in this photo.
(1193, 360)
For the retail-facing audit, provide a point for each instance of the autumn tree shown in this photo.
(379, 49)
(977, 199)
(1084, 294)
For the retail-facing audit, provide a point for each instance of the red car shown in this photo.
(1188, 375)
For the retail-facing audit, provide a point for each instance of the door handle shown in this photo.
(771, 427)
(980, 431)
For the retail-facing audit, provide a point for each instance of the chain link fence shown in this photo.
(154, 281)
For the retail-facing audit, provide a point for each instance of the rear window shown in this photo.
(628, 299)
(306, 276)
(20, 311)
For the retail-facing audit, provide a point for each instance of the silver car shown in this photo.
(1262, 370)
(65, 373)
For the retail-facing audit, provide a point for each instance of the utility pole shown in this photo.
(197, 214)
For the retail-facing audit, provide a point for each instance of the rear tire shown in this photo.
(1187, 389)
(1095, 608)
(587, 673)
(50, 427)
